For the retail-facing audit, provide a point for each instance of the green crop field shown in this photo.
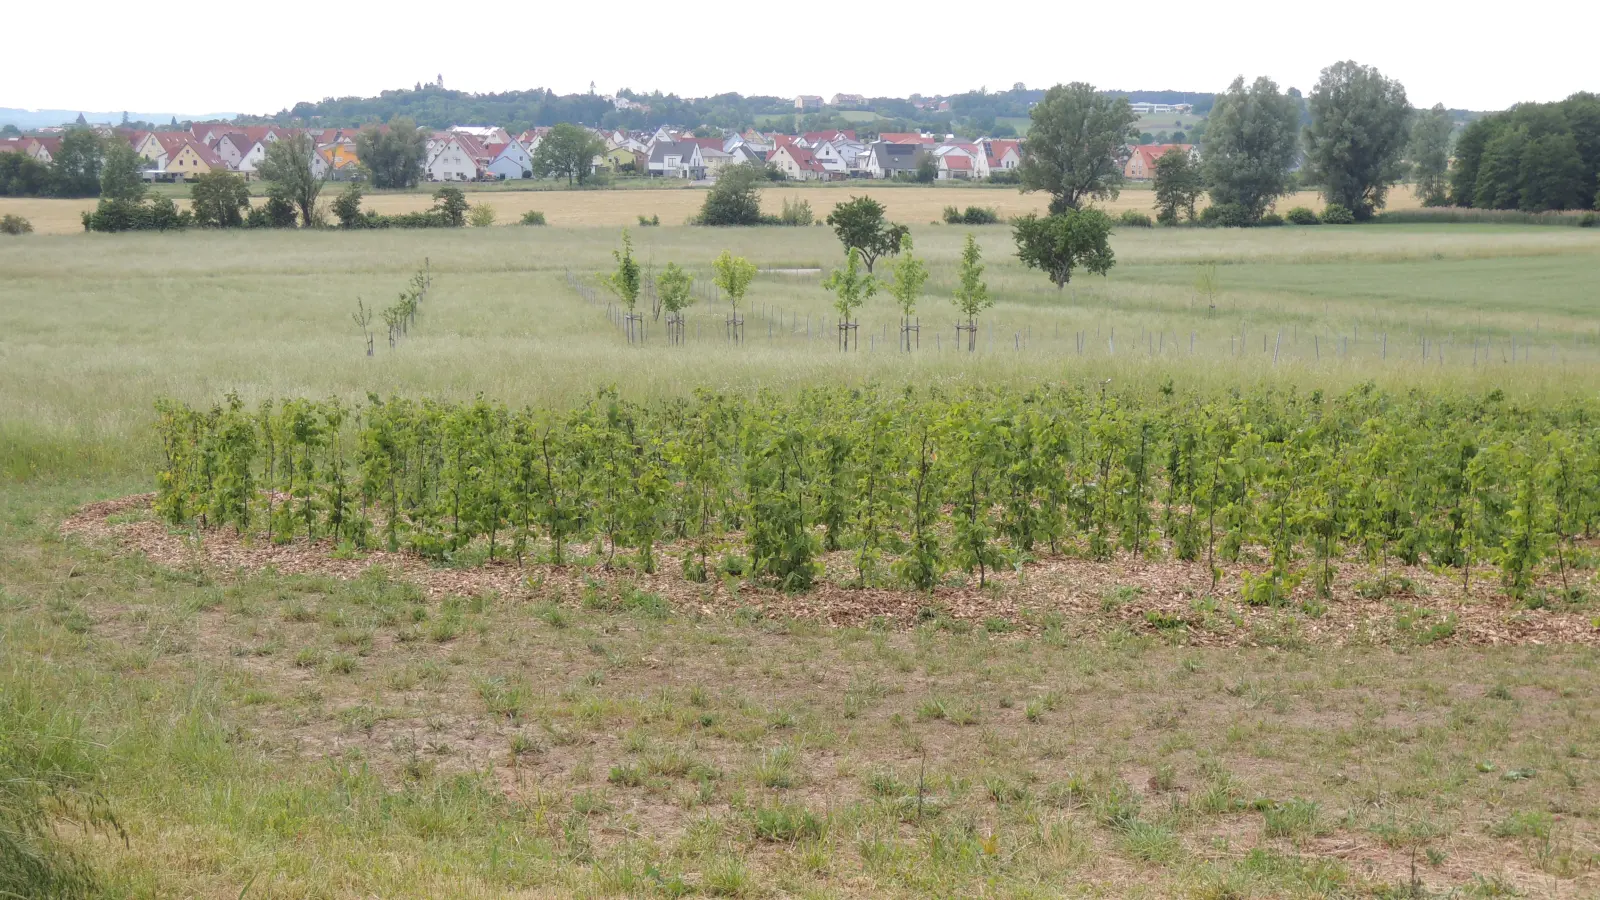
(695, 656)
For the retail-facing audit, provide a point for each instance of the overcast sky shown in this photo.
(247, 57)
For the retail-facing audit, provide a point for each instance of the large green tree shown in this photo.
(219, 200)
(736, 197)
(1430, 156)
(860, 224)
(75, 166)
(1360, 123)
(1075, 145)
(23, 176)
(290, 164)
(121, 175)
(394, 155)
(1250, 145)
(567, 150)
(1179, 183)
(1055, 245)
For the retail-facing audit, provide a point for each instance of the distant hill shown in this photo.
(26, 119)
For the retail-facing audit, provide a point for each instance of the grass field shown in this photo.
(376, 727)
(913, 204)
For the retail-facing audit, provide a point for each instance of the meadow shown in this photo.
(296, 720)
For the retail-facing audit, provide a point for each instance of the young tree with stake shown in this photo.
(626, 281)
(972, 296)
(909, 277)
(852, 288)
(673, 288)
(733, 277)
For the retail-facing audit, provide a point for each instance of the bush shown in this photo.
(1586, 220)
(796, 213)
(1225, 215)
(650, 221)
(1271, 219)
(533, 217)
(1005, 176)
(1337, 214)
(1134, 219)
(1301, 216)
(972, 215)
(481, 215)
(735, 199)
(155, 214)
(275, 213)
(10, 224)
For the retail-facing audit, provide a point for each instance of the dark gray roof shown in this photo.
(664, 149)
(895, 156)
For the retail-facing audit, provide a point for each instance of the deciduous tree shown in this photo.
(736, 197)
(1179, 183)
(1058, 244)
(733, 275)
(220, 200)
(972, 294)
(567, 150)
(75, 166)
(120, 177)
(861, 226)
(1074, 146)
(1359, 127)
(1250, 146)
(290, 164)
(394, 155)
(1430, 156)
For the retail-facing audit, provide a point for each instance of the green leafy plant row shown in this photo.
(912, 486)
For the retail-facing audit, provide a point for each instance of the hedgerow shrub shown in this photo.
(912, 484)
(972, 215)
(1135, 219)
(1337, 214)
(1300, 215)
(10, 224)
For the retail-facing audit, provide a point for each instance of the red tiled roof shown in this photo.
(804, 159)
(1149, 153)
(956, 161)
(812, 137)
(900, 137)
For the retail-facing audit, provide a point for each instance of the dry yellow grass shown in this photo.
(906, 203)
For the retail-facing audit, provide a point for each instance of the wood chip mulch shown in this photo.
(1078, 597)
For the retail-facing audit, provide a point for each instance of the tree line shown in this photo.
(1355, 136)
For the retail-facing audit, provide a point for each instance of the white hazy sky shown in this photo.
(119, 58)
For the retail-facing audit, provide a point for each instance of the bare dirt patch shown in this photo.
(1079, 596)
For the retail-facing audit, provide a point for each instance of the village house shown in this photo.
(797, 163)
(807, 101)
(622, 159)
(509, 160)
(885, 159)
(454, 159)
(1141, 164)
(676, 159)
(194, 158)
(999, 156)
(848, 100)
(232, 147)
(38, 148)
